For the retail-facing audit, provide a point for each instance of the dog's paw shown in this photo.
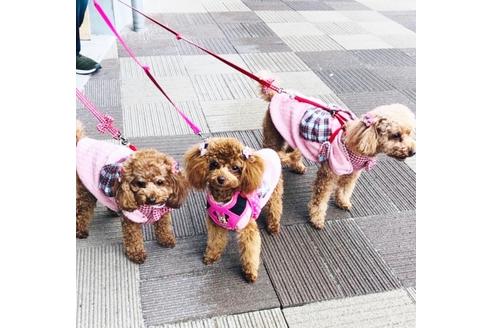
(250, 276)
(82, 234)
(343, 204)
(168, 242)
(137, 257)
(299, 169)
(208, 259)
(273, 229)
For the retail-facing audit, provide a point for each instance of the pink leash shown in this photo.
(234, 66)
(105, 121)
(193, 126)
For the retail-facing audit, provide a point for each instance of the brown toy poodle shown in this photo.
(343, 145)
(239, 183)
(144, 186)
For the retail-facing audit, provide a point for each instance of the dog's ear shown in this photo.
(196, 167)
(180, 190)
(125, 197)
(363, 138)
(252, 174)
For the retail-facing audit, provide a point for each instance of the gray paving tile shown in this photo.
(360, 41)
(361, 102)
(208, 65)
(384, 57)
(110, 70)
(219, 45)
(393, 237)
(274, 62)
(266, 44)
(182, 19)
(411, 94)
(235, 17)
(307, 83)
(311, 43)
(224, 87)
(405, 18)
(225, 6)
(412, 163)
(356, 266)
(280, 16)
(246, 30)
(171, 278)
(161, 119)
(329, 60)
(354, 80)
(261, 319)
(266, 5)
(307, 5)
(397, 180)
(107, 288)
(299, 275)
(400, 40)
(294, 29)
(412, 52)
(346, 5)
(105, 229)
(160, 66)
(340, 28)
(90, 122)
(412, 293)
(146, 48)
(204, 31)
(401, 77)
(250, 138)
(103, 92)
(388, 309)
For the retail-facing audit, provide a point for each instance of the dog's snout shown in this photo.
(411, 152)
(221, 180)
(151, 200)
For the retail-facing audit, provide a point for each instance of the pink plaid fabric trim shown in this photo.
(147, 213)
(360, 162)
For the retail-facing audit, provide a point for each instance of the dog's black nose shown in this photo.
(151, 200)
(221, 180)
(411, 153)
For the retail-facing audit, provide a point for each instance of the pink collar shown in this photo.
(236, 213)
(147, 213)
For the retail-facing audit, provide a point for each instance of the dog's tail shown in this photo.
(80, 133)
(265, 92)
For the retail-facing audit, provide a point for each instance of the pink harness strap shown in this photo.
(223, 215)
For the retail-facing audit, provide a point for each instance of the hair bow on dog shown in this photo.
(247, 152)
(369, 119)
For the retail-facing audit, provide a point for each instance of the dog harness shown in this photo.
(99, 165)
(316, 133)
(236, 213)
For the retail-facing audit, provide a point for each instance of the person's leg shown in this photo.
(84, 65)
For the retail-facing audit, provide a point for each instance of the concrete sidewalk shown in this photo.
(360, 270)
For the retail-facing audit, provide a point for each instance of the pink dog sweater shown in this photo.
(236, 213)
(287, 114)
(92, 156)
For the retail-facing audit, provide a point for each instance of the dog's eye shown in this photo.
(141, 184)
(213, 165)
(396, 136)
(236, 169)
(159, 182)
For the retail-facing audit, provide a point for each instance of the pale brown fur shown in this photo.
(147, 178)
(218, 171)
(393, 134)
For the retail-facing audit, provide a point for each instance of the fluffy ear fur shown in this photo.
(125, 198)
(252, 174)
(180, 190)
(196, 168)
(363, 139)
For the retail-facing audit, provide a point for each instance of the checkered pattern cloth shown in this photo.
(109, 174)
(315, 125)
(360, 162)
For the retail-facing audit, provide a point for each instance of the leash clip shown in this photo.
(123, 141)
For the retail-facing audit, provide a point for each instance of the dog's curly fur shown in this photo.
(393, 134)
(224, 159)
(138, 184)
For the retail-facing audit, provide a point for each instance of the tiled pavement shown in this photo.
(359, 271)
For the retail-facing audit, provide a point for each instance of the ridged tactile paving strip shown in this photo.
(383, 57)
(145, 48)
(352, 260)
(274, 62)
(335, 28)
(397, 180)
(299, 275)
(347, 5)
(369, 199)
(235, 17)
(182, 19)
(362, 102)
(246, 30)
(411, 94)
(160, 66)
(280, 16)
(259, 319)
(297, 194)
(250, 138)
(161, 119)
(388, 309)
(232, 115)
(188, 220)
(110, 71)
(104, 229)
(268, 5)
(103, 93)
(405, 18)
(353, 80)
(255, 45)
(107, 288)
(307, 5)
(223, 87)
(329, 60)
(192, 290)
(311, 43)
(393, 237)
(220, 46)
(412, 293)
(402, 77)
